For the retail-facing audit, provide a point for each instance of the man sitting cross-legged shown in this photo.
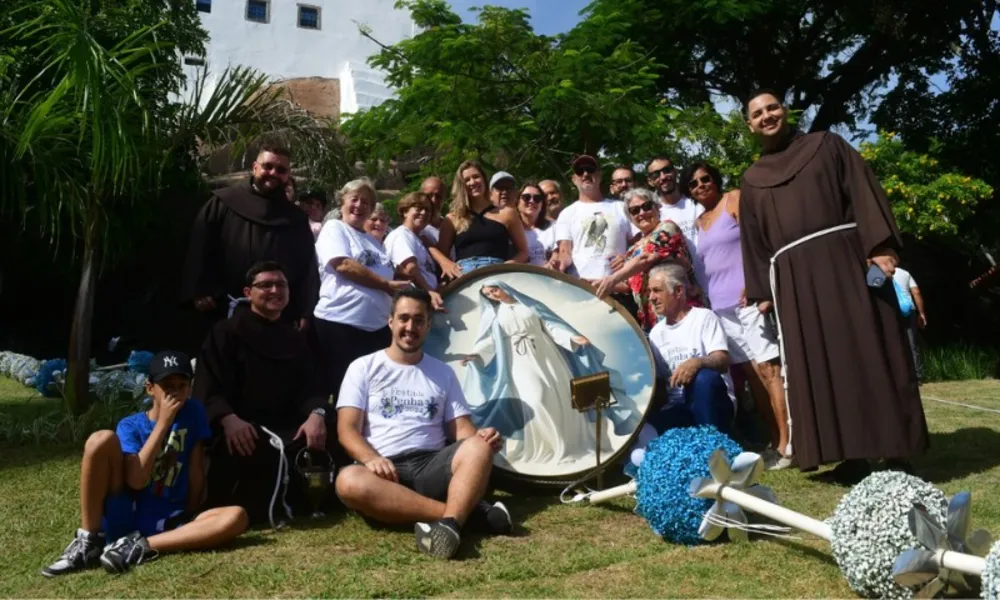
(143, 484)
(403, 417)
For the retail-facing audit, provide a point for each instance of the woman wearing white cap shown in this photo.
(481, 232)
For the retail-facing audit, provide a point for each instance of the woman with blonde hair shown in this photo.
(481, 233)
(356, 285)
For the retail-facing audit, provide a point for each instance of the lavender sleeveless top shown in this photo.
(722, 258)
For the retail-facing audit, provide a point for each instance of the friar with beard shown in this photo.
(246, 223)
(255, 371)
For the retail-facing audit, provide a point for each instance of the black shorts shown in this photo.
(426, 472)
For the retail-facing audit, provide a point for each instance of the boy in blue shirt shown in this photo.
(141, 486)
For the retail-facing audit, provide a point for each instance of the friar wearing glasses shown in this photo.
(256, 377)
(241, 225)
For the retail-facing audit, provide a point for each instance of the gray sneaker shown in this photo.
(774, 461)
(126, 552)
(82, 553)
(437, 539)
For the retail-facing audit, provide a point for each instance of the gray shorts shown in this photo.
(426, 472)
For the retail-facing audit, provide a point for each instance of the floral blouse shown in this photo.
(667, 242)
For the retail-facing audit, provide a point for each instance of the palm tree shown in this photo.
(85, 138)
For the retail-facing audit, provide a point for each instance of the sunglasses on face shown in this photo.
(532, 198)
(585, 170)
(646, 206)
(653, 175)
(279, 169)
(267, 285)
(704, 179)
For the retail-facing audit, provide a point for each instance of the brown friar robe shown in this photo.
(238, 227)
(852, 388)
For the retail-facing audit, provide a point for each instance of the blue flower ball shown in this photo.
(46, 375)
(671, 462)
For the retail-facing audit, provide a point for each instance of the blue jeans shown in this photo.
(706, 402)
(472, 263)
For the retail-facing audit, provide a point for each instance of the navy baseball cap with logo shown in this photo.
(168, 363)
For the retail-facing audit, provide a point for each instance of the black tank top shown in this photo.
(484, 237)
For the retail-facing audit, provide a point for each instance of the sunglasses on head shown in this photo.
(645, 206)
(704, 179)
(279, 169)
(532, 198)
(588, 170)
(657, 173)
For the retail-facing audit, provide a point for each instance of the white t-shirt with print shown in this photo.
(540, 243)
(340, 299)
(598, 230)
(698, 334)
(406, 406)
(402, 245)
(683, 213)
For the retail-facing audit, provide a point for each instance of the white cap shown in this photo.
(500, 176)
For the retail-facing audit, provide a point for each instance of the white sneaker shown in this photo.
(774, 461)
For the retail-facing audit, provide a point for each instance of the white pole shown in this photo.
(956, 561)
(611, 493)
(772, 511)
(963, 563)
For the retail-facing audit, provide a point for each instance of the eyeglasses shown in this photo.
(622, 181)
(583, 170)
(279, 169)
(654, 175)
(532, 198)
(704, 179)
(267, 285)
(646, 206)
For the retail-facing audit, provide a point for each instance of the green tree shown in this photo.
(498, 92)
(830, 57)
(89, 133)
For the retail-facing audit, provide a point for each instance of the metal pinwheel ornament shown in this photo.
(742, 475)
(925, 566)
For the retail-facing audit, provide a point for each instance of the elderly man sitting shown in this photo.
(691, 351)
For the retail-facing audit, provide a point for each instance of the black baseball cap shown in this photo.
(168, 363)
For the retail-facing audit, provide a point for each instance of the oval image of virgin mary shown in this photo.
(517, 337)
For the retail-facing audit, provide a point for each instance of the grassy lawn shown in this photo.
(559, 551)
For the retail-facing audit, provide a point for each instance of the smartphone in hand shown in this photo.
(876, 277)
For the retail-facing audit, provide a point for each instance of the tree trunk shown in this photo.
(77, 389)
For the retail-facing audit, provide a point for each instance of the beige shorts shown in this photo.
(747, 336)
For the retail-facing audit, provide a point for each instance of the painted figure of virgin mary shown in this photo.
(523, 361)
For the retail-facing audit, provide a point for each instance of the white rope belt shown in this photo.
(234, 302)
(772, 275)
(282, 480)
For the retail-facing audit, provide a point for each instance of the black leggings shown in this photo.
(343, 344)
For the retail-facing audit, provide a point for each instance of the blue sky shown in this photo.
(548, 17)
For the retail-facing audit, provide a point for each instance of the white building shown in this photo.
(289, 40)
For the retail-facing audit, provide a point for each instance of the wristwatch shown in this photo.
(319, 411)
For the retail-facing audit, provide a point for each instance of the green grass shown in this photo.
(560, 551)
(960, 362)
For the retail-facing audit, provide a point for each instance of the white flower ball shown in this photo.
(991, 574)
(871, 528)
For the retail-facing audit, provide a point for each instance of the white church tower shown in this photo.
(314, 46)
